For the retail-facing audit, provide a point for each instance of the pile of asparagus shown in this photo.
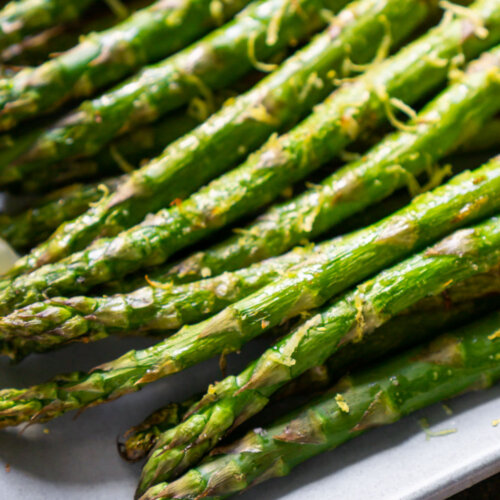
(206, 172)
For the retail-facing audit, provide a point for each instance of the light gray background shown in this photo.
(77, 460)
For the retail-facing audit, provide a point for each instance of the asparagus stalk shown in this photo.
(35, 50)
(103, 58)
(348, 319)
(324, 275)
(360, 29)
(456, 306)
(36, 224)
(346, 192)
(55, 322)
(436, 130)
(26, 17)
(126, 152)
(135, 148)
(460, 361)
(215, 61)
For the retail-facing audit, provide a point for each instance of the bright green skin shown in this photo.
(35, 50)
(26, 17)
(55, 322)
(213, 62)
(463, 106)
(486, 140)
(460, 361)
(183, 168)
(359, 312)
(347, 192)
(103, 58)
(25, 230)
(346, 262)
(427, 318)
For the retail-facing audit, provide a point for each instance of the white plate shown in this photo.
(77, 459)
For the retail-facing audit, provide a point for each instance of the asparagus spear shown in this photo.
(460, 361)
(23, 230)
(35, 50)
(348, 261)
(25, 17)
(126, 152)
(436, 130)
(372, 178)
(255, 115)
(55, 322)
(108, 56)
(215, 61)
(456, 306)
(356, 313)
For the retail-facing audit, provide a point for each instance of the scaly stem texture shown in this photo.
(394, 163)
(460, 361)
(103, 58)
(218, 59)
(370, 305)
(55, 322)
(344, 263)
(437, 130)
(24, 230)
(456, 306)
(240, 127)
(36, 49)
(26, 17)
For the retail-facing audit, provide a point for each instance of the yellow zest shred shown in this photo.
(495, 335)
(118, 9)
(120, 160)
(436, 176)
(327, 15)
(412, 183)
(380, 55)
(199, 109)
(342, 404)
(105, 192)
(205, 91)
(217, 12)
(259, 65)
(275, 23)
(495, 423)
(157, 284)
(459, 10)
(261, 114)
(447, 409)
(424, 424)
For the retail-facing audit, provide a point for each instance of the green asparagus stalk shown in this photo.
(361, 29)
(460, 361)
(35, 50)
(324, 275)
(135, 148)
(346, 192)
(36, 224)
(215, 61)
(435, 132)
(486, 140)
(124, 153)
(55, 322)
(456, 306)
(26, 17)
(355, 314)
(139, 440)
(103, 58)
